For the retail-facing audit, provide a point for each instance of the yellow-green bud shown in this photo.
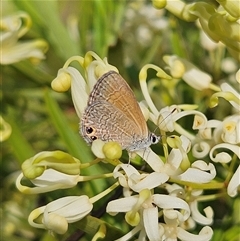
(159, 4)
(112, 150)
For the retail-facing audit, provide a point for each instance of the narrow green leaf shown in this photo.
(46, 16)
(91, 226)
(20, 146)
(75, 145)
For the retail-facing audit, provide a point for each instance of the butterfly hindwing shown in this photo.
(101, 121)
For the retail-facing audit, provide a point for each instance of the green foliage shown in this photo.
(43, 120)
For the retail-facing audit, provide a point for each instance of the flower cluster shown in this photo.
(219, 24)
(160, 201)
(166, 192)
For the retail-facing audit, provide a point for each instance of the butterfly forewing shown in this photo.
(112, 88)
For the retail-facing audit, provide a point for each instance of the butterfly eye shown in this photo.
(154, 139)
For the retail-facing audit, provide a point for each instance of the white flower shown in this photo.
(228, 88)
(199, 172)
(166, 119)
(234, 183)
(193, 198)
(78, 90)
(71, 77)
(97, 148)
(193, 76)
(50, 180)
(231, 129)
(152, 159)
(228, 93)
(13, 50)
(198, 217)
(224, 157)
(205, 234)
(206, 42)
(49, 170)
(227, 131)
(177, 156)
(201, 149)
(206, 138)
(178, 166)
(135, 181)
(173, 232)
(57, 214)
(57, 160)
(142, 210)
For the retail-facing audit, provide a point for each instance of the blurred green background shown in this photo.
(131, 34)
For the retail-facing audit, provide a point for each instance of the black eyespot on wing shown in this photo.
(93, 138)
(89, 130)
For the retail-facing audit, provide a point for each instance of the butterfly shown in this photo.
(113, 114)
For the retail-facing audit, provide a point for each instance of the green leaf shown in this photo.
(75, 145)
(20, 146)
(46, 16)
(91, 226)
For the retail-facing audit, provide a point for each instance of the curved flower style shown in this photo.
(234, 183)
(168, 116)
(228, 93)
(224, 157)
(12, 50)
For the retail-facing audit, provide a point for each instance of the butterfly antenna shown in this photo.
(164, 119)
